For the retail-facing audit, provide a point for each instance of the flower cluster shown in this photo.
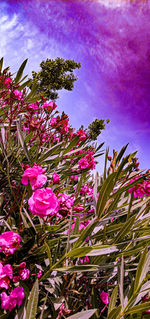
(35, 175)
(9, 242)
(14, 299)
(87, 162)
(141, 189)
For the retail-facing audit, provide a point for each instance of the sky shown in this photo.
(111, 39)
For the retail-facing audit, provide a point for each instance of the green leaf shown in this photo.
(20, 71)
(76, 227)
(142, 269)
(79, 268)
(1, 64)
(104, 193)
(125, 229)
(113, 300)
(79, 252)
(85, 233)
(32, 93)
(22, 142)
(53, 150)
(83, 315)
(27, 83)
(48, 253)
(97, 250)
(121, 153)
(114, 313)
(139, 308)
(71, 145)
(33, 302)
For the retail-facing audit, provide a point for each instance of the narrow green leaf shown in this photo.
(76, 227)
(125, 229)
(22, 142)
(100, 146)
(83, 315)
(139, 308)
(27, 83)
(33, 302)
(20, 71)
(85, 233)
(104, 193)
(121, 153)
(48, 253)
(79, 252)
(79, 268)
(113, 300)
(142, 269)
(1, 64)
(114, 313)
(106, 158)
(71, 145)
(53, 150)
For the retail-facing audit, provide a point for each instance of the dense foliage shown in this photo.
(71, 245)
(55, 75)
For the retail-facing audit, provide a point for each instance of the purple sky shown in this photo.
(113, 45)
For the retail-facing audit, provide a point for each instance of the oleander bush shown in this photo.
(72, 245)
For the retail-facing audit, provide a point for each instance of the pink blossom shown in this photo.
(65, 204)
(83, 163)
(74, 177)
(140, 190)
(82, 134)
(50, 106)
(53, 122)
(6, 272)
(35, 176)
(9, 242)
(24, 274)
(104, 297)
(17, 94)
(43, 202)
(14, 299)
(39, 274)
(7, 81)
(84, 260)
(56, 178)
(33, 107)
(62, 311)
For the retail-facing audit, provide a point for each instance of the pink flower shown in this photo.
(82, 134)
(74, 177)
(53, 121)
(7, 81)
(56, 178)
(6, 272)
(50, 106)
(146, 185)
(9, 242)
(14, 299)
(34, 107)
(65, 204)
(35, 176)
(24, 274)
(18, 94)
(104, 297)
(43, 202)
(83, 163)
(62, 311)
(39, 274)
(84, 260)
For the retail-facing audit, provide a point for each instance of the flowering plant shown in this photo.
(71, 245)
